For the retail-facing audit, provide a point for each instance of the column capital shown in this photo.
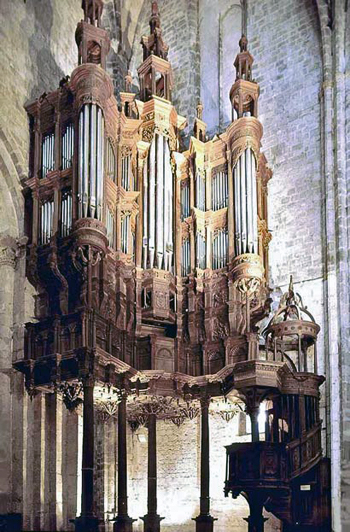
(11, 250)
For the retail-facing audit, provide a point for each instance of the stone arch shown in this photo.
(11, 200)
(11, 314)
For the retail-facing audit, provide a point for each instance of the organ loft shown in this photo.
(150, 264)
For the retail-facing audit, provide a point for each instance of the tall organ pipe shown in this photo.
(160, 201)
(245, 201)
(248, 178)
(238, 207)
(151, 202)
(157, 239)
(85, 190)
(244, 204)
(169, 213)
(145, 214)
(93, 133)
(166, 206)
(100, 161)
(254, 203)
(81, 164)
(91, 161)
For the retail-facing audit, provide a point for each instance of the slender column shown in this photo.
(204, 521)
(256, 519)
(87, 521)
(152, 519)
(254, 415)
(123, 523)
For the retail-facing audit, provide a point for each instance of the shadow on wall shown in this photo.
(117, 61)
(44, 64)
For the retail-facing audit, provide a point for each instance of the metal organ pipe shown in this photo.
(86, 134)
(100, 161)
(200, 192)
(151, 201)
(243, 204)
(67, 146)
(93, 133)
(158, 206)
(245, 200)
(81, 164)
(185, 258)
(168, 213)
(167, 206)
(145, 214)
(160, 202)
(254, 203)
(47, 155)
(47, 210)
(248, 178)
(91, 161)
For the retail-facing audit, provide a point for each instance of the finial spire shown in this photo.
(153, 43)
(92, 40)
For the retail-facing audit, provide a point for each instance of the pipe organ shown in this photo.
(186, 258)
(201, 255)
(219, 190)
(90, 168)
(48, 154)
(110, 227)
(200, 191)
(220, 247)
(67, 146)
(47, 210)
(158, 206)
(155, 258)
(185, 199)
(126, 233)
(246, 214)
(120, 190)
(111, 162)
(66, 212)
(127, 175)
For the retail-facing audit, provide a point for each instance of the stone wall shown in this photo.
(178, 462)
(37, 50)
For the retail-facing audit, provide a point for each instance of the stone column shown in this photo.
(204, 521)
(123, 523)
(11, 464)
(254, 418)
(152, 519)
(87, 521)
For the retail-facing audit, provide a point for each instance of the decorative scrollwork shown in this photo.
(71, 394)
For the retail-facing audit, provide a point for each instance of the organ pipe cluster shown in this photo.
(119, 168)
(158, 205)
(246, 213)
(91, 154)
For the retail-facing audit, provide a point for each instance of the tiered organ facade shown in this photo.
(150, 261)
